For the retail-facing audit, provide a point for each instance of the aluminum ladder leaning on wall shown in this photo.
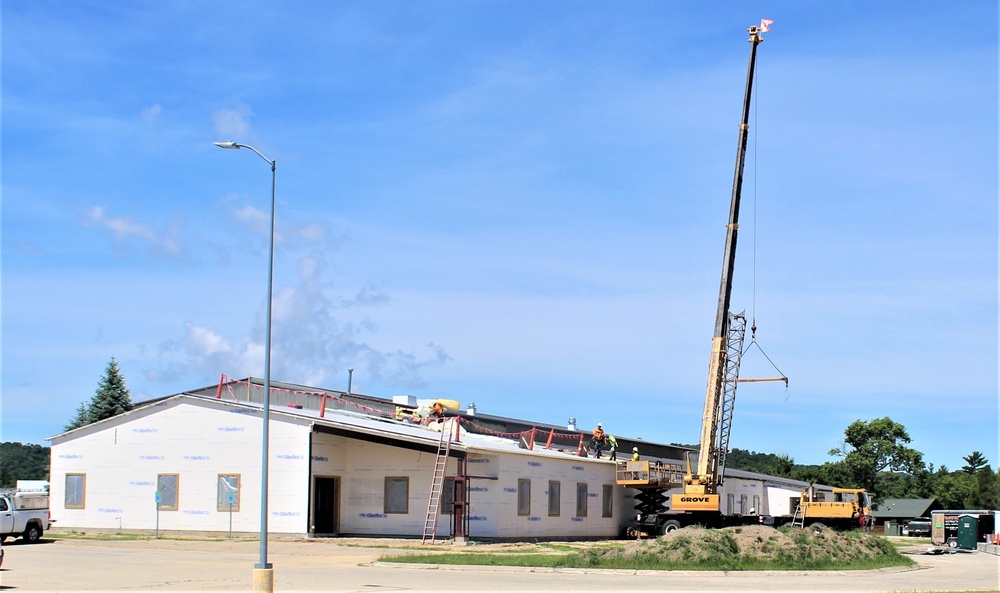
(437, 484)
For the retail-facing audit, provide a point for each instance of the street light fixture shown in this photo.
(263, 571)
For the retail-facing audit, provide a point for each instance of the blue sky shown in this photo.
(517, 204)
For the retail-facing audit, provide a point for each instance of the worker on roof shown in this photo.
(613, 444)
(597, 440)
(635, 453)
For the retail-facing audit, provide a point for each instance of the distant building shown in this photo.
(344, 464)
(892, 514)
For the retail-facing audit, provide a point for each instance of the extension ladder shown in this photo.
(437, 484)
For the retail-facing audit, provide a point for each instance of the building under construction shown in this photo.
(349, 464)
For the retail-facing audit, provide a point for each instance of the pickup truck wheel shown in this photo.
(32, 534)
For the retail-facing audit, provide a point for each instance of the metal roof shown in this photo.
(905, 508)
(290, 394)
(739, 473)
(364, 426)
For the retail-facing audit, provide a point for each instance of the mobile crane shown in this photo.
(699, 481)
(699, 500)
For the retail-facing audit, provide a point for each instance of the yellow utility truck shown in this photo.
(844, 508)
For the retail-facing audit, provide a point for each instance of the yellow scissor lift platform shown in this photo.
(647, 474)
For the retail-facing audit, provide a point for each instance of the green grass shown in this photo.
(910, 542)
(715, 550)
(647, 561)
(636, 562)
(559, 547)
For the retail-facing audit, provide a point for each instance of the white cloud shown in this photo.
(313, 233)
(252, 217)
(151, 114)
(316, 333)
(232, 123)
(206, 342)
(125, 228)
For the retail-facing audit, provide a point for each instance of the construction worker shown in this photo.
(613, 443)
(597, 441)
(635, 453)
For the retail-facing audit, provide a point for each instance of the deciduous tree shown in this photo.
(985, 490)
(951, 489)
(872, 447)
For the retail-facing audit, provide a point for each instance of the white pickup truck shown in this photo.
(24, 513)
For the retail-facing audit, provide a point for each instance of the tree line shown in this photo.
(875, 455)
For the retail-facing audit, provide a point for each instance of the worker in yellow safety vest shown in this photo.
(613, 443)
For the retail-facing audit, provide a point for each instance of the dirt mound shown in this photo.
(756, 543)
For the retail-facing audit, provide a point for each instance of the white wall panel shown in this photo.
(200, 439)
(122, 459)
(569, 471)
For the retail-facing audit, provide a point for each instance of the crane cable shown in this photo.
(753, 299)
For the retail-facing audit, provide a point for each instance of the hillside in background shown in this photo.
(22, 462)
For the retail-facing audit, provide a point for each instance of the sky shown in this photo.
(518, 204)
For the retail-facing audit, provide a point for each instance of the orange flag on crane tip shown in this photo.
(765, 25)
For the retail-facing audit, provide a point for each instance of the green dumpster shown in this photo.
(968, 532)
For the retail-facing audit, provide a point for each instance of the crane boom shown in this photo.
(701, 482)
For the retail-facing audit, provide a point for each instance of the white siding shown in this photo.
(122, 458)
(741, 492)
(483, 470)
(198, 439)
(362, 468)
(779, 497)
(569, 472)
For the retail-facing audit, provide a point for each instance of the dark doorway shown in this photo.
(326, 500)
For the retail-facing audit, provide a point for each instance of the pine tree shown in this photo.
(974, 461)
(81, 418)
(112, 396)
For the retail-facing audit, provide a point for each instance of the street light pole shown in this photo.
(263, 570)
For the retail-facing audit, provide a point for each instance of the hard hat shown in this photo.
(636, 449)
(598, 423)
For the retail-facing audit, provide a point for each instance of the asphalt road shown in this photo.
(326, 565)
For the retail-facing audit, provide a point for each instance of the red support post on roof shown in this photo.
(548, 443)
(218, 390)
(322, 406)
